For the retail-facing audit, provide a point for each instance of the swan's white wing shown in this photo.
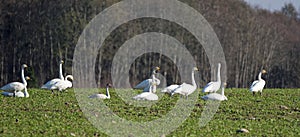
(212, 87)
(170, 88)
(253, 83)
(13, 86)
(257, 86)
(144, 84)
(214, 96)
(50, 83)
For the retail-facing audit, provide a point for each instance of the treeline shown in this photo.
(40, 33)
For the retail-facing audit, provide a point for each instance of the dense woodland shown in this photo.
(41, 32)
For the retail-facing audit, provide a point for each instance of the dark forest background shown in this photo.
(41, 32)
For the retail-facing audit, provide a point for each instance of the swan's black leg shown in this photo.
(260, 93)
(253, 93)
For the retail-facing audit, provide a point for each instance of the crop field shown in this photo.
(275, 113)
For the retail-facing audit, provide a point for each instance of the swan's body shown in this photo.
(171, 88)
(16, 86)
(152, 89)
(102, 96)
(187, 89)
(17, 94)
(62, 84)
(146, 96)
(214, 85)
(258, 85)
(216, 96)
(145, 85)
(50, 83)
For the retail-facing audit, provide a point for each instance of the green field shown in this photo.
(44, 114)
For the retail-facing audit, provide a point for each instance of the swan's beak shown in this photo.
(196, 69)
(27, 78)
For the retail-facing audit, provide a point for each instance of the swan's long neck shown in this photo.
(60, 72)
(219, 73)
(153, 86)
(107, 92)
(23, 77)
(193, 79)
(26, 94)
(259, 76)
(222, 93)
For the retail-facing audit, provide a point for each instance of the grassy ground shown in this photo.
(44, 114)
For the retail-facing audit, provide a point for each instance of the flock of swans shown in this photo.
(14, 89)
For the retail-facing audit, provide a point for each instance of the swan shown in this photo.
(53, 81)
(16, 86)
(102, 96)
(145, 85)
(258, 85)
(17, 94)
(216, 96)
(214, 85)
(151, 96)
(187, 89)
(62, 84)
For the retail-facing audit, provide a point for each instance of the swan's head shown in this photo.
(195, 69)
(108, 85)
(61, 62)
(224, 84)
(156, 69)
(27, 78)
(24, 66)
(263, 71)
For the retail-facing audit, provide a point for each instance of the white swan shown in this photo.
(102, 96)
(17, 94)
(258, 85)
(145, 85)
(16, 86)
(53, 81)
(148, 95)
(216, 96)
(187, 89)
(214, 85)
(62, 84)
